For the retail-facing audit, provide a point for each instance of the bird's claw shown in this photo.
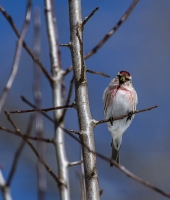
(129, 116)
(111, 121)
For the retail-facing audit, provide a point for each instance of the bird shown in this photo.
(120, 98)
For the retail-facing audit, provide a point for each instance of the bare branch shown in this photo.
(57, 74)
(76, 132)
(18, 152)
(34, 150)
(36, 60)
(122, 168)
(107, 36)
(112, 31)
(99, 73)
(134, 177)
(37, 97)
(122, 117)
(17, 55)
(69, 69)
(75, 163)
(27, 137)
(65, 45)
(43, 109)
(88, 17)
(81, 99)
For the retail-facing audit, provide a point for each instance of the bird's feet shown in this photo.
(111, 121)
(129, 116)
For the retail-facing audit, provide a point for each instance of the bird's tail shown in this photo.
(115, 155)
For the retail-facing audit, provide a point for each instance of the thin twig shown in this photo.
(43, 109)
(17, 55)
(69, 69)
(11, 22)
(76, 132)
(34, 150)
(113, 30)
(108, 35)
(122, 168)
(75, 163)
(123, 116)
(88, 17)
(19, 151)
(28, 137)
(98, 73)
(65, 45)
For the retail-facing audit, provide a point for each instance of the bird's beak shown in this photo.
(122, 79)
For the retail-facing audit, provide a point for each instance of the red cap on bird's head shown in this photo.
(126, 74)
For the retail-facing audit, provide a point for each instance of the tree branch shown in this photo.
(75, 163)
(26, 136)
(36, 60)
(98, 73)
(38, 99)
(120, 167)
(81, 99)
(112, 31)
(123, 116)
(43, 109)
(88, 17)
(107, 36)
(35, 151)
(17, 56)
(18, 153)
(57, 74)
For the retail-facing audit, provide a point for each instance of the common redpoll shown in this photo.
(119, 99)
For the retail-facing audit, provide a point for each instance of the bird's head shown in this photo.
(124, 77)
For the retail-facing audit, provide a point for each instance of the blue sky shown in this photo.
(142, 47)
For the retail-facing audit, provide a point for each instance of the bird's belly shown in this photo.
(120, 105)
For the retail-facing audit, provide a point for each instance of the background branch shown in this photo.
(34, 150)
(26, 136)
(36, 60)
(18, 152)
(38, 99)
(17, 55)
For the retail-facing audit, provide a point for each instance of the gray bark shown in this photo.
(57, 78)
(82, 102)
